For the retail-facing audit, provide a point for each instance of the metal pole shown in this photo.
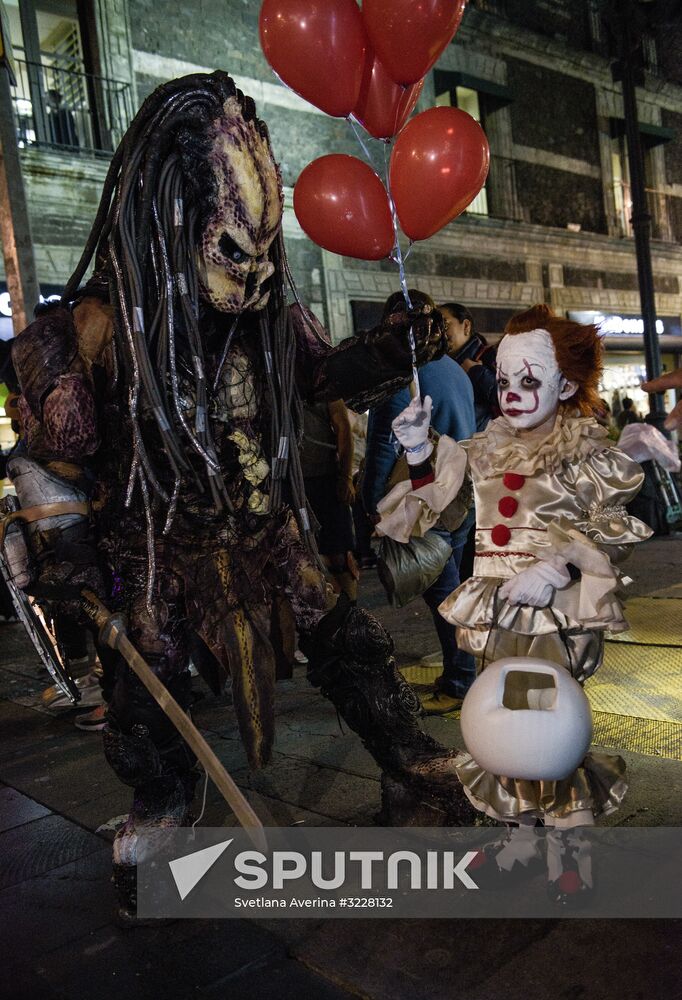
(641, 218)
(15, 232)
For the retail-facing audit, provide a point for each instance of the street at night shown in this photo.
(341, 499)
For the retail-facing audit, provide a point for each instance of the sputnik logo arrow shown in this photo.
(190, 869)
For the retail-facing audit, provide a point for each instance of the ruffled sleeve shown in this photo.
(605, 483)
(406, 511)
(601, 535)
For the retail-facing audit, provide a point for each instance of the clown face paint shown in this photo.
(233, 250)
(529, 383)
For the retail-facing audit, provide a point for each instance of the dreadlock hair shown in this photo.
(578, 350)
(157, 195)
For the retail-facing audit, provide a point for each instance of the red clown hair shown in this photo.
(578, 350)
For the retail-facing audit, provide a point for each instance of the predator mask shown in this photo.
(234, 265)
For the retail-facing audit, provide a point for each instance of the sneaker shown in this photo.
(93, 721)
(89, 687)
(440, 703)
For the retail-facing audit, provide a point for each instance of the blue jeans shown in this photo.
(459, 668)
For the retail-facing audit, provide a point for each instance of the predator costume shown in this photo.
(164, 400)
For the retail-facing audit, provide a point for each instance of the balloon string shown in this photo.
(398, 257)
(397, 251)
(397, 254)
(365, 148)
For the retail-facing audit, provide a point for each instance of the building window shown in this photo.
(620, 173)
(467, 100)
(650, 53)
(657, 200)
(57, 103)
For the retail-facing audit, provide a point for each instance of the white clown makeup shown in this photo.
(529, 383)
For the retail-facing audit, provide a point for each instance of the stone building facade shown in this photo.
(555, 224)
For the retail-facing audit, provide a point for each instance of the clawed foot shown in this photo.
(136, 841)
(439, 770)
(426, 792)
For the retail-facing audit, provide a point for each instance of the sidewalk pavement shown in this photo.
(57, 930)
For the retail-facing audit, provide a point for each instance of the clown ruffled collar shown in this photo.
(500, 448)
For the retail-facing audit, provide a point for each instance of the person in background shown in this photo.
(470, 350)
(669, 380)
(453, 414)
(478, 359)
(71, 635)
(327, 465)
(628, 415)
(61, 121)
(616, 406)
(602, 413)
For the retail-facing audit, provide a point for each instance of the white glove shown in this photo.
(534, 586)
(411, 427)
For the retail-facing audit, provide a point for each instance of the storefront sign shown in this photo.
(614, 325)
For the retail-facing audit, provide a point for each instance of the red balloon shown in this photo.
(317, 47)
(438, 165)
(409, 35)
(384, 106)
(342, 205)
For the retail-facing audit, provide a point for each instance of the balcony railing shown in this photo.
(62, 108)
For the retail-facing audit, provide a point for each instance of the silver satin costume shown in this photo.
(563, 495)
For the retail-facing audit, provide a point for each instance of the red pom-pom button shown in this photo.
(500, 534)
(508, 506)
(570, 882)
(513, 481)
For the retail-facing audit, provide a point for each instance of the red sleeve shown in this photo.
(421, 474)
